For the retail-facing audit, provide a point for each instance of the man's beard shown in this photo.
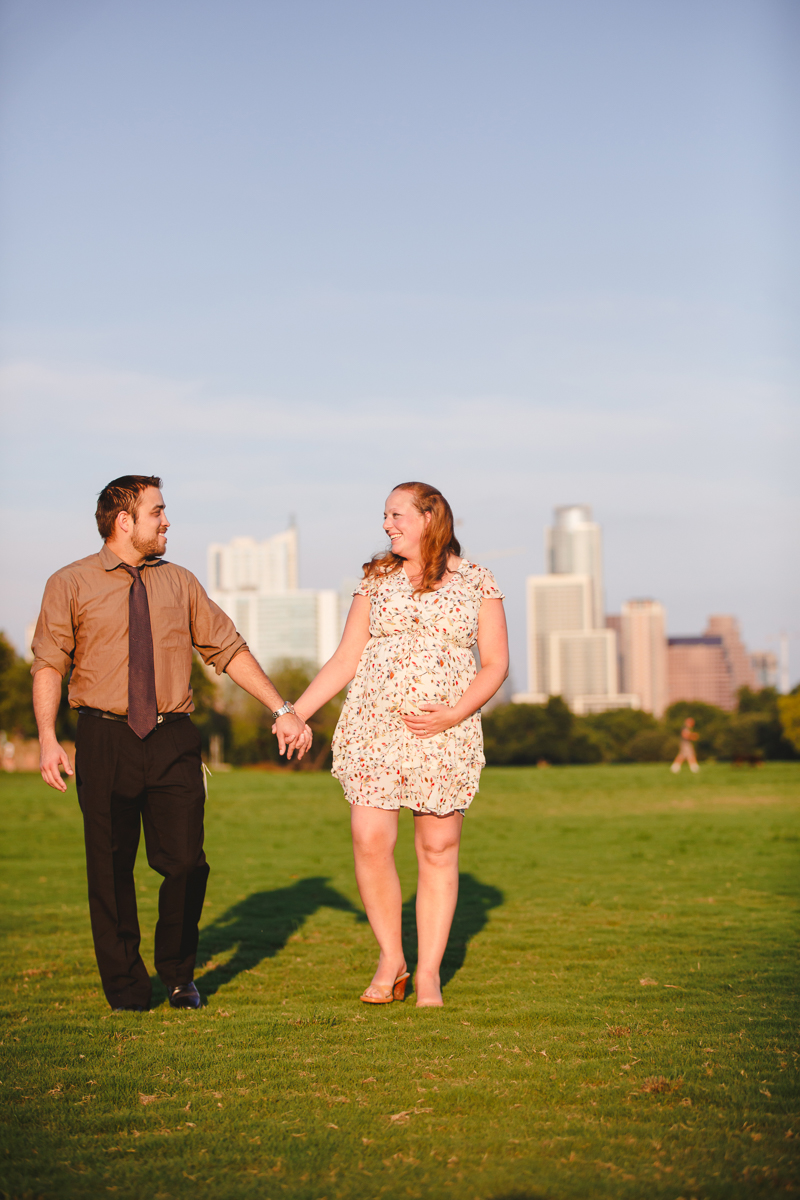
(152, 547)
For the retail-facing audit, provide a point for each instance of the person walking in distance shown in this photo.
(686, 752)
(124, 622)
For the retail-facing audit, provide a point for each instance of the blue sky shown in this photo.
(286, 254)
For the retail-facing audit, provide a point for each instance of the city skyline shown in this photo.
(597, 661)
(527, 253)
(236, 573)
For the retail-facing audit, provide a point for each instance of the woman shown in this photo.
(686, 752)
(409, 735)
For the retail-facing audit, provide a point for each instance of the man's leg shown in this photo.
(109, 779)
(173, 831)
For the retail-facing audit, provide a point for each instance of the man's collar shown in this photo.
(110, 561)
(108, 558)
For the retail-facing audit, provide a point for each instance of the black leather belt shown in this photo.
(108, 716)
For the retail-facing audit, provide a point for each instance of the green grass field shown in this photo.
(620, 1000)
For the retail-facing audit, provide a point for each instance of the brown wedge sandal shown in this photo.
(396, 992)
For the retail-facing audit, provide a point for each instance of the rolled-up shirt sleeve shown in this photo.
(54, 639)
(214, 635)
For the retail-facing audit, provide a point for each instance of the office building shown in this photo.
(555, 604)
(713, 667)
(246, 565)
(255, 583)
(643, 653)
(765, 668)
(583, 669)
(302, 625)
(614, 621)
(739, 663)
(568, 655)
(698, 669)
(574, 546)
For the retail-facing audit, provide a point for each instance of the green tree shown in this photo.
(251, 737)
(711, 723)
(208, 714)
(741, 737)
(519, 734)
(759, 713)
(652, 745)
(16, 700)
(619, 729)
(789, 709)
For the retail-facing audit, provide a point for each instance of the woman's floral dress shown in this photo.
(419, 651)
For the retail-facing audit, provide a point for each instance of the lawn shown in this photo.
(620, 997)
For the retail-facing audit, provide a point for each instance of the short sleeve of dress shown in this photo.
(487, 585)
(365, 588)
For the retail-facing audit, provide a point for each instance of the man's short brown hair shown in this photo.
(121, 495)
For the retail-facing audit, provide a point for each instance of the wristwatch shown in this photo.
(285, 708)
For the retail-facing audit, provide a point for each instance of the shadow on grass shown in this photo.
(475, 899)
(260, 926)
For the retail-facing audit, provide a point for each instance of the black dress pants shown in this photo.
(124, 783)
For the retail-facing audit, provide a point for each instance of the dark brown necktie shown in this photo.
(142, 706)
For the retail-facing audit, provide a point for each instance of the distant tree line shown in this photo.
(245, 726)
(763, 726)
(16, 700)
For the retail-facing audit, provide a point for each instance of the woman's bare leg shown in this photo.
(374, 837)
(678, 761)
(436, 841)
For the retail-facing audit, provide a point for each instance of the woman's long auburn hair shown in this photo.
(438, 541)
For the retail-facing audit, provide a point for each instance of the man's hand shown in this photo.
(51, 758)
(436, 719)
(290, 730)
(292, 734)
(46, 696)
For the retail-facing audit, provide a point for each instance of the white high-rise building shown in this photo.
(255, 583)
(644, 653)
(583, 669)
(566, 656)
(574, 546)
(249, 566)
(555, 604)
(570, 652)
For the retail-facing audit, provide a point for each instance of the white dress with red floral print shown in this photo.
(420, 650)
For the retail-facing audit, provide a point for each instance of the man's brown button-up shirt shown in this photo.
(83, 626)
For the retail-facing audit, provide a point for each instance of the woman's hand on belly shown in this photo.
(435, 719)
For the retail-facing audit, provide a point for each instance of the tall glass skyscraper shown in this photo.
(574, 546)
(571, 653)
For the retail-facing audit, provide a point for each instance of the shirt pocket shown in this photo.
(171, 630)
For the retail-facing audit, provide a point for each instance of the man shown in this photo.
(124, 622)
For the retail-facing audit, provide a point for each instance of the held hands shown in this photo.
(51, 758)
(292, 734)
(436, 719)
